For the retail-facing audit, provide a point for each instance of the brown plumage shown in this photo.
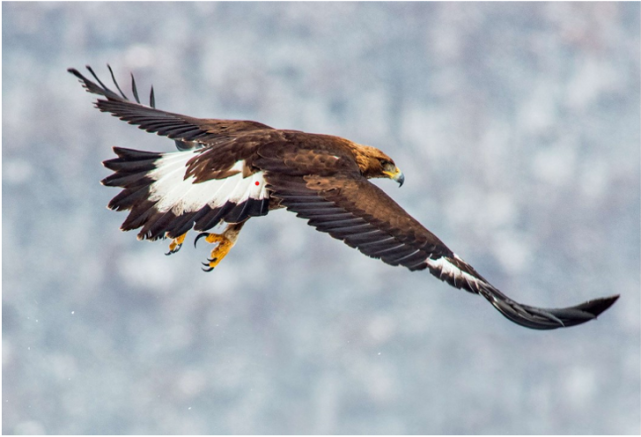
(230, 171)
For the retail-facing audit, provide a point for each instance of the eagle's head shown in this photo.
(375, 164)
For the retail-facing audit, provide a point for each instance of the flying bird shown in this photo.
(228, 171)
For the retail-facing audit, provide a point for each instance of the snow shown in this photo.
(517, 128)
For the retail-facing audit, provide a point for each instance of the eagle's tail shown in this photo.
(165, 203)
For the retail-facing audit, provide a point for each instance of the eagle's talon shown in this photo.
(224, 242)
(176, 244)
(171, 251)
(209, 267)
(202, 234)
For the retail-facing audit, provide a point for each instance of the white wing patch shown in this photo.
(448, 270)
(174, 193)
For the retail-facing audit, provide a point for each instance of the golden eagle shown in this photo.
(229, 171)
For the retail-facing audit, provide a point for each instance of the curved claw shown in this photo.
(202, 234)
(176, 249)
(207, 270)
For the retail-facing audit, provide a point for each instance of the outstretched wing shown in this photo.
(187, 131)
(351, 209)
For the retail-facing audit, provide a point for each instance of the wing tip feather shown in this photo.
(551, 318)
(597, 306)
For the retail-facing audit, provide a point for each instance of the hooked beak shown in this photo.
(396, 175)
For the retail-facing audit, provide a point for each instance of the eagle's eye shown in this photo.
(388, 166)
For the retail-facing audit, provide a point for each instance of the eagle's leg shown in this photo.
(176, 244)
(225, 241)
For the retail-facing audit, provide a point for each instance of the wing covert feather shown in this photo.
(361, 215)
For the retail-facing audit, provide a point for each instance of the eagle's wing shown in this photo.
(186, 130)
(350, 208)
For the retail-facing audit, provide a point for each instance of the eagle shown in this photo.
(228, 171)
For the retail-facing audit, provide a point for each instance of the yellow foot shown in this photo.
(176, 244)
(225, 241)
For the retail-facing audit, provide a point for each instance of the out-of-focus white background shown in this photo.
(517, 127)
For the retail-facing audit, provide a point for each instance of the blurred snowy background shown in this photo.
(517, 127)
